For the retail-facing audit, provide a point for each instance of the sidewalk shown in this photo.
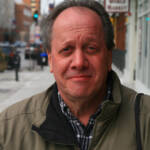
(30, 83)
(135, 85)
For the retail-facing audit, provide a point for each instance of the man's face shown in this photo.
(79, 58)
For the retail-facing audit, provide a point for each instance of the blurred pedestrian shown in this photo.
(16, 62)
(87, 108)
(43, 58)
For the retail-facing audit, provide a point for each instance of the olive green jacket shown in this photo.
(37, 123)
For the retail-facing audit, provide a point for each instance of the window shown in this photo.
(143, 69)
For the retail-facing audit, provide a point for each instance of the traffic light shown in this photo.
(36, 16)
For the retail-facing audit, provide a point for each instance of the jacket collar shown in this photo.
(54, 127)
(110, 108)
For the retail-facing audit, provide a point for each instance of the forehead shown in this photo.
(77, 16)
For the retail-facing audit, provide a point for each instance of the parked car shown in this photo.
(30, 52)
(8, 50)
(3, 63)
(19, 44)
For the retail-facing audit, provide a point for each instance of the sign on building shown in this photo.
(116, 5)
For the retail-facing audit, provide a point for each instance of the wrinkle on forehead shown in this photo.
(80, 28)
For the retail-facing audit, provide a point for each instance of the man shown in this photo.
(87, 108)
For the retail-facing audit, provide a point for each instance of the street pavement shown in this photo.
(30, 82)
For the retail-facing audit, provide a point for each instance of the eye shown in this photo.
(91, 49)
(66, 50)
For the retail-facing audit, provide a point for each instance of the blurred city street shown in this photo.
(30, 82)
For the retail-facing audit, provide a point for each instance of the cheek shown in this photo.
(99, 62)
(60, 66)
(100, 65)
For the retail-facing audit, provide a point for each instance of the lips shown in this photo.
(80, 77)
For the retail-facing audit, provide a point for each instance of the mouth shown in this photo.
(80, 77)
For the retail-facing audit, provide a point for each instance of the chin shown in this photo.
(80, 94)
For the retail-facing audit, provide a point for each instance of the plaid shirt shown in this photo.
(84, 133)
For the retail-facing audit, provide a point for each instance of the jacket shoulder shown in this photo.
(129, 96)
(145, 104)
(17, 119)
(25, 107)
(121, 93)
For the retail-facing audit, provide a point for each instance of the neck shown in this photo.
(84, 108)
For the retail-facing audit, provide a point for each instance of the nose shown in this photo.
(79, 60)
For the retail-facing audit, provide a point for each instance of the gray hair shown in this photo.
(47, 23)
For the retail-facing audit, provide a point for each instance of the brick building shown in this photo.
(118, 14)
(120, 31)
(27, 2)
(35, 5)
(23, 21)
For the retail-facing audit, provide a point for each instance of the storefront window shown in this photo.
(143, 70)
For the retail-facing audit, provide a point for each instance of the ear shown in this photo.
(50, 60)
(109, 60)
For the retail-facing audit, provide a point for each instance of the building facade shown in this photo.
(118, 11)
(27, 2)
(131, 44)
(137, 62)
(7, 20)
(143, 43)
(35, 5)
(23, 21)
